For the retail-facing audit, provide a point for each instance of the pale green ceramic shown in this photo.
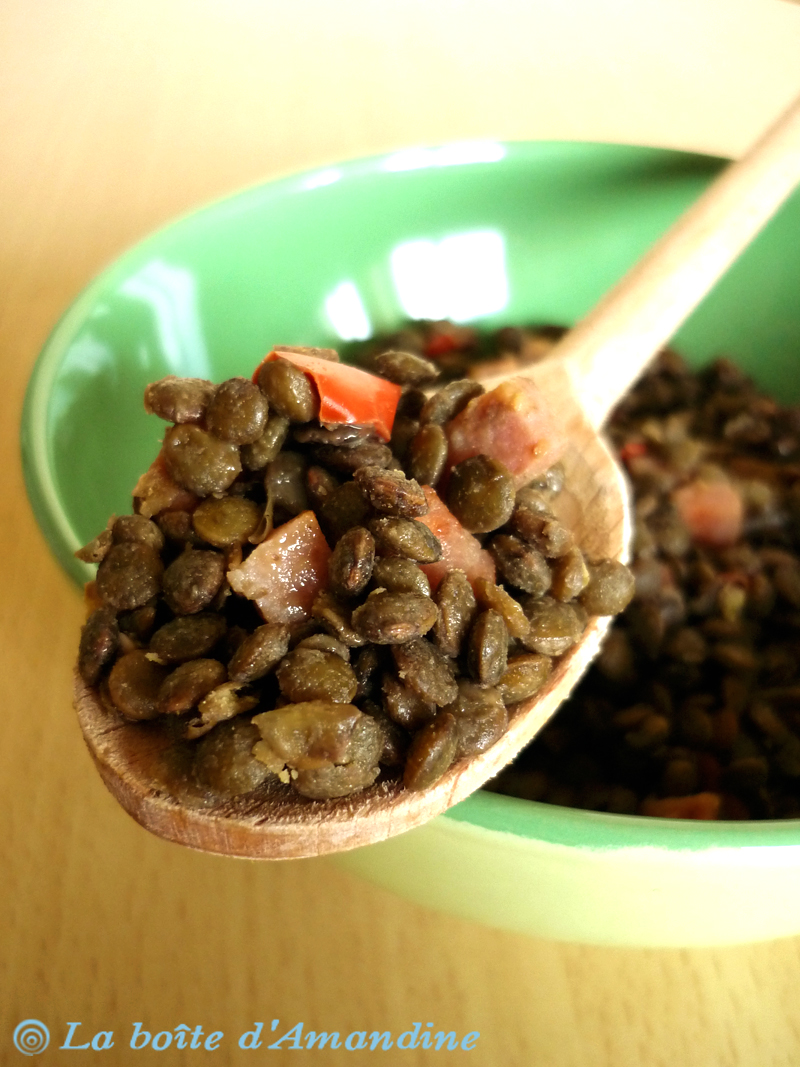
(482, 232)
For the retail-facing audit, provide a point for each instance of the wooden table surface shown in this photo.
(114, 117)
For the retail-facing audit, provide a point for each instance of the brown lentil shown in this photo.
(326, 643)
(186, 686)
(404, 430)
(137, 528)
(319, 485)
(400, 576)
(391, 493)
(448, 401)
(345, 435)
(198, 461)
(425, 670)
(178, 400)
(520, 564)
(542, 531)
(129, 576)
(405, 368)
(187, 637)
(494, 596)
(394, 618)
(403, 705)
(570, 575)
(98, 644)
(456, 602)
(407, 538)
(285, 483)
(224, 760)
(432, 751)
(481, 718)
(310, 674)
(554, 627)
(336, 617)
(134, 685)
(288, 390)
(263, 450)
(480, 493)
(524, 675)
(237, 412)
(366, 666)
(224, 521)
(487, 648)
(193, 580)
(341, 509)
(427, 454)
(348, 460)
(259, 653)
(351, 563)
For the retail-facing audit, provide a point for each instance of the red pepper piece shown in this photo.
(632, 449)
(346, 394)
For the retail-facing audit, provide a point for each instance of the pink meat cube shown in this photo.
(713, 512)
(158, 491)
(286, 571)
(512, 425)
(460, 550)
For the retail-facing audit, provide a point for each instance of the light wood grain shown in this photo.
(113, 117)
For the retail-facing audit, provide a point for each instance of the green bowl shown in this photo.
(481, 232)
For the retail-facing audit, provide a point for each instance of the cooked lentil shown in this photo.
(480, 493)
(407, 538)
(237, 412)
(400, 576)
(288, 390)
(193, 580)
(487, 650)
(427, 452)
(199, 461)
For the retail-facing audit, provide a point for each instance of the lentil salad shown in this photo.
(313, 583)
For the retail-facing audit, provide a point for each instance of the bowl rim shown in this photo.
(529, 821)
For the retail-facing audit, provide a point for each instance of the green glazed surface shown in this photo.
(483, 232)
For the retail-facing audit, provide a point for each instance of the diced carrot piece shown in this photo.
(460, 550)
(286, 571)
(511, 424)
(697, 806)
(158, 491)
(713, 512)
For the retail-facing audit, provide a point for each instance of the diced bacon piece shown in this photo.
(697, 806)
(460, 550)
(713, 512)
(158, 491)
(512, 425)
(286, 571)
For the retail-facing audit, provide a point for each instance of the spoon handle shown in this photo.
(607, 350)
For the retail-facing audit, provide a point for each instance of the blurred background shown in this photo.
(114, 118)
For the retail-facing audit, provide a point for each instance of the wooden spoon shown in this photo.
(588, 372)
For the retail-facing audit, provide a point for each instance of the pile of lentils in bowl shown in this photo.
(692, 709)
(323, 584)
